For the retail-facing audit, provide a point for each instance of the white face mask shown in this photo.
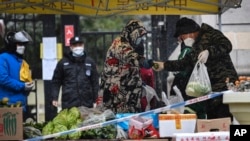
(78, 51)
(20, 50)
(189, 42)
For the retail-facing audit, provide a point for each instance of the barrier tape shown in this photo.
(158, 110)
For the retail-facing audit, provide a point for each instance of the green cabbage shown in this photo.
(60, 128)
(48, 128)
(75, 112)
(72, 115)
(61, 118)
(75, 135)
(196, 89)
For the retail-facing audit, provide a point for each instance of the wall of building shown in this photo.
(236, 26)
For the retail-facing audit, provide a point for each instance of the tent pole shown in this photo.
(219, 15)
(219, 19)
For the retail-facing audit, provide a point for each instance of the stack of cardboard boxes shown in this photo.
(185, 127)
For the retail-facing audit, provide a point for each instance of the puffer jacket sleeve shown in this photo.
(7, 81)
(219, 45)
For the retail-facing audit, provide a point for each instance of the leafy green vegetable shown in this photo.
(60, 128)
(72, 115)
(61, 118)
(48, 128)
(196, 89)
(75, 135)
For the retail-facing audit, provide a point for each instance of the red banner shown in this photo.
(69, 33)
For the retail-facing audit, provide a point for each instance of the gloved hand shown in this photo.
(29, 86)
(99, 100)
(158, 66)
(203, 56)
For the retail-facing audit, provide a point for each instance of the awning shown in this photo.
(97, 8)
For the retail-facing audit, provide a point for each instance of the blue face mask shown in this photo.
(138, 41)
(77, 51)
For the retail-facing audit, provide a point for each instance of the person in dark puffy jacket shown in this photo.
(185, 39)
(212, 48)
(77, 75)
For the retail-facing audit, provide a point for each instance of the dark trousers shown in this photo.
(216, 109)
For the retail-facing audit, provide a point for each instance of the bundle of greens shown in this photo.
(65, 120)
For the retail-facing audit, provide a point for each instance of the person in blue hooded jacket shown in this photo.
(15, 76)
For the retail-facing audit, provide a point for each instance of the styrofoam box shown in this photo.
(176, 123)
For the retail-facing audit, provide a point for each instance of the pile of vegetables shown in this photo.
(107, 132)
(32, 129)
(73, 118)
(65, 120)
(196, 89)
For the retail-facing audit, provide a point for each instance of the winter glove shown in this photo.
(158, 66)
(189, 42)
(203, 56)
(99, 100)
(29, 86)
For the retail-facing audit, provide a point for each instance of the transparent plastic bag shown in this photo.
(173, 99)
(177, 99)
(199, 82)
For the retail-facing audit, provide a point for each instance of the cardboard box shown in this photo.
(219, 124)
(11, 123)
(176, 123)
(202, 136)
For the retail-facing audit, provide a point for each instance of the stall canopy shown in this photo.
(98, 8)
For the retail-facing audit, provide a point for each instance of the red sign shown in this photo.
(69, 33)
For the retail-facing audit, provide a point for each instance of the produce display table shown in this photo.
(165, 139)
(150, 140)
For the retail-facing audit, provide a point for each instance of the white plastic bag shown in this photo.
(177, 99)
(173, 99)
(164, 98)
(199, 82)
(150, 93)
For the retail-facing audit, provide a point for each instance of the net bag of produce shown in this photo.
(199, 82)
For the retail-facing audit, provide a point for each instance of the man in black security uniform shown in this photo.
(76, 73)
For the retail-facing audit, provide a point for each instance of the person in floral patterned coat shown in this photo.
(121, 83)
